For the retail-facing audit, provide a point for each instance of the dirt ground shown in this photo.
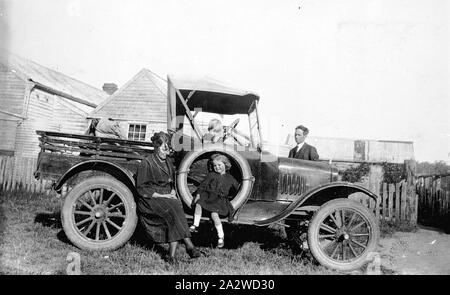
(424, 252)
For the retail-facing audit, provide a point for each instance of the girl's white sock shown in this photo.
(219, 229)
(197, 218)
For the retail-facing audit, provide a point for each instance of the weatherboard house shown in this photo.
(140, 106)
(34, 97)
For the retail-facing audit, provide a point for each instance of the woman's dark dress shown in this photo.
(214, 192)
(163, 219)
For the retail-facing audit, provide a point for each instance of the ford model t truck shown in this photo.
(99, 209)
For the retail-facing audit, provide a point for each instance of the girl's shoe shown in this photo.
(220, 243)
(193, 229)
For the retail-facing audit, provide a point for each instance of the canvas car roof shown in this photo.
(211, 95)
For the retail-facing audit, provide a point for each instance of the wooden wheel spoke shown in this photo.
(326, 236)
(105, 227)
(359, 244)
(337, 216)
(97, 232)
(327, 228)
(109, 199)
(358, 225)
(82, 213)
(360, 235)
(334, 220)
(351, 249)
(83, 221)
(88, 230)
(92, 197)
(335, 250)
(351, 219)
(113, 224)
(325, 249)
(115, 206)
(116, 215)
(101, 196)
(83, 202)
(343, 251)
(343, 217)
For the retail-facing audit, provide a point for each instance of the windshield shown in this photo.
(242, 129)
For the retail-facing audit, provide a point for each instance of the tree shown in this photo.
(437, 167)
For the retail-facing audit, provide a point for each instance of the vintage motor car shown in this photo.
(305, 197)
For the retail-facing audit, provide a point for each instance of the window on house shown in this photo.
(137, 132)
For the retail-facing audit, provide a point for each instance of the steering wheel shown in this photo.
(230, 127)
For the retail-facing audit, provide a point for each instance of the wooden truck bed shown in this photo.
(61, 151)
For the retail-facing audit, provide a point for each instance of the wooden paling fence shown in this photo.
(434, 197)
(397, 202)
(16, 174)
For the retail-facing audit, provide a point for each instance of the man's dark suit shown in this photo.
(307, 152)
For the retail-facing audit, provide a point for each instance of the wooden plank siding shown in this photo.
(34, 97)
(46, 112)
(67, 119)
(142, 100)
(8, 135)
(39, 116)
(12, 90)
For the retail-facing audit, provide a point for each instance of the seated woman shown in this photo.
(160, 211)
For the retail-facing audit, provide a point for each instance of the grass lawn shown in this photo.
(32, 242)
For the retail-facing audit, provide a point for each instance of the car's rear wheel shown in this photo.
(99, 213)
(342, 234)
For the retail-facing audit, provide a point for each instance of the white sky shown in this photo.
(363, 69)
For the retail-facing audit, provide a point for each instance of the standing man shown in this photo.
(303, 150)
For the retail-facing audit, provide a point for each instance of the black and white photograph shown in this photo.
(225, 139)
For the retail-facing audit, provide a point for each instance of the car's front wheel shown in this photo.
(342, 234)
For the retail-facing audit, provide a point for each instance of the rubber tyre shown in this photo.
(316, 221)
(117, 240)
(247, 182)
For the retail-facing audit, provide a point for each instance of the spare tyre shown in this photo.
(185, 166)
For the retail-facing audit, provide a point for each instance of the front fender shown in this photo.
(115, 170)
(320, 195)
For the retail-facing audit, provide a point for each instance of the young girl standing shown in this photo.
(212, 195)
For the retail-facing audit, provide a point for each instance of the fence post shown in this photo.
(33, 181)
(375, 178)
(9, 173)
(2, 161)
(384, 200)
(410, 167)
(391, 201)
(377, 204)
(397, 201)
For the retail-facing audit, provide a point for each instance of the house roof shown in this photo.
(158, 83)
(53, 81)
